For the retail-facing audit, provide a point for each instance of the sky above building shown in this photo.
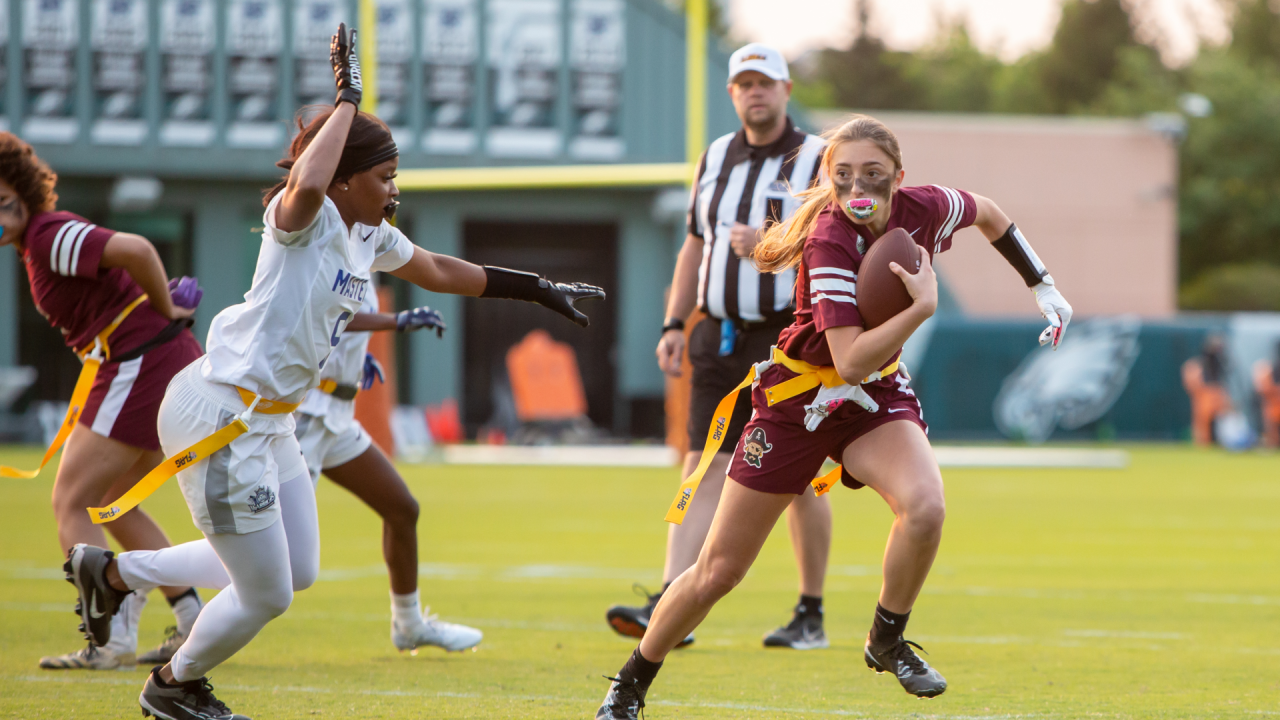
(1009, 28)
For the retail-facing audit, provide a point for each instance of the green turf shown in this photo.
(1147, 592)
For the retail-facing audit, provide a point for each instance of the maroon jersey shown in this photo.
(63, 254)
(826, 289)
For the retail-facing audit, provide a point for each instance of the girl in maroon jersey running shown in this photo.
(83, 278)
(872, 421)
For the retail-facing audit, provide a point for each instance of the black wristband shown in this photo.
(513, 285)
(1014, 247)
(672, 324)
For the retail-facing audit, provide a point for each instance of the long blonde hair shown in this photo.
(783, 242)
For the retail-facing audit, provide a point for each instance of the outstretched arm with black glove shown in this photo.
(444, 274)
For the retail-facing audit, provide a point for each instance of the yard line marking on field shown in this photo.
(1021, 457)
(543, 698)
(1126, 634)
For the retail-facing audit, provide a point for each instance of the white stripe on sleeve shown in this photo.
(71, 226)
(75, 253)
(832, 271)
(832, 285)
(68, 244)
(836, 298)
(953, 217)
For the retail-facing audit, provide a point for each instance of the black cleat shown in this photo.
(804, 632)
(624, 701)
(632, 621)
(191, 700)
(915, 674)
(86, 568)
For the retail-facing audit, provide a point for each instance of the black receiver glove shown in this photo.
(346, 66)
(560, 297)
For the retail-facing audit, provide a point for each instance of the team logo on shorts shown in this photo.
(261, 499)
(755, 446)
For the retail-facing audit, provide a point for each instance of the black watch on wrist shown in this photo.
(672, 324)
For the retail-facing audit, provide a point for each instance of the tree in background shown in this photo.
(865, 75)
(1097, 64)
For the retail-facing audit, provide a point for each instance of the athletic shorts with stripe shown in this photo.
(322, 448)
(126, 396)
(777, 453)
(235, 490)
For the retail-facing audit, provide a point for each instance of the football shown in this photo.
(880, 293)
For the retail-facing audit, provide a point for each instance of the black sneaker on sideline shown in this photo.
(624, 700)
(804, 632)
(86, 568)
(915, 674)
(632, 621)
(193, 700)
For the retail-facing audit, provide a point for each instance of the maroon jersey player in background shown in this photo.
(82, 277)
(872, 422)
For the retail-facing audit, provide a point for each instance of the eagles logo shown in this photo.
(755, 446)
(261, 499)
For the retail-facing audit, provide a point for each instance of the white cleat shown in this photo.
(435, 632)
(90, 658)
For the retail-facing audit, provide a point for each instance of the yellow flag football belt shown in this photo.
(807, 378)
(192, 455)
(93, 357)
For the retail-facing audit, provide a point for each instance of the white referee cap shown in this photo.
(760, 58)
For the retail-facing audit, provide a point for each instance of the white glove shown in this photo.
(1055, 309)
(830, 399)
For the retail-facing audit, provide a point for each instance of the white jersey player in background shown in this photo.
(334, 443)
(326, 232)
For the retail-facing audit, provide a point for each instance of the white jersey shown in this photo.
(345, 367)
(307, 286)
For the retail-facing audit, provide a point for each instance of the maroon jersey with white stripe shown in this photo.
(826, 291)
(63, 253)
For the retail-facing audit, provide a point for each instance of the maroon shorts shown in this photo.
(126, 396)
(777, 454)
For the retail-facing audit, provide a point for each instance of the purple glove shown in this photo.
(185, 292)
(372, 370)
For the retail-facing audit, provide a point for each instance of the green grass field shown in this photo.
(1147, 592)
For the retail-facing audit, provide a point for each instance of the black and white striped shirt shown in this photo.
(738, 183)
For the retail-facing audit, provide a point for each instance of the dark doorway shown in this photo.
(585, 252)
(42, 347)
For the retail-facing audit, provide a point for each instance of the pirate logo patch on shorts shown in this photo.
(261, 499)
(755, 446)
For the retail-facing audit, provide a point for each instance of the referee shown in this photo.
(744, 180)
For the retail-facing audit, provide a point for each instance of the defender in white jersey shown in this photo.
(326, 231)
(334, 443)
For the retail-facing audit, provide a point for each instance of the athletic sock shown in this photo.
(406, 610)
(124, 625)
(639, 669)
(888, 627)
(186, 608)
(810, 606)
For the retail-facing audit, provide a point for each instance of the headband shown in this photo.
(355, 160)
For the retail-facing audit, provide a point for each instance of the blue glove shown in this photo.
(418, 318)
(372, 369)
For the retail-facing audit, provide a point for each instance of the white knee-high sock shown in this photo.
(124, 626)
(191, 564)
(261, 566)
(261, 589)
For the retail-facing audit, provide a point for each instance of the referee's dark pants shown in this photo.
(715, 375)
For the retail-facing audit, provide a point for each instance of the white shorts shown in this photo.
(235, 489)
(323, 448)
